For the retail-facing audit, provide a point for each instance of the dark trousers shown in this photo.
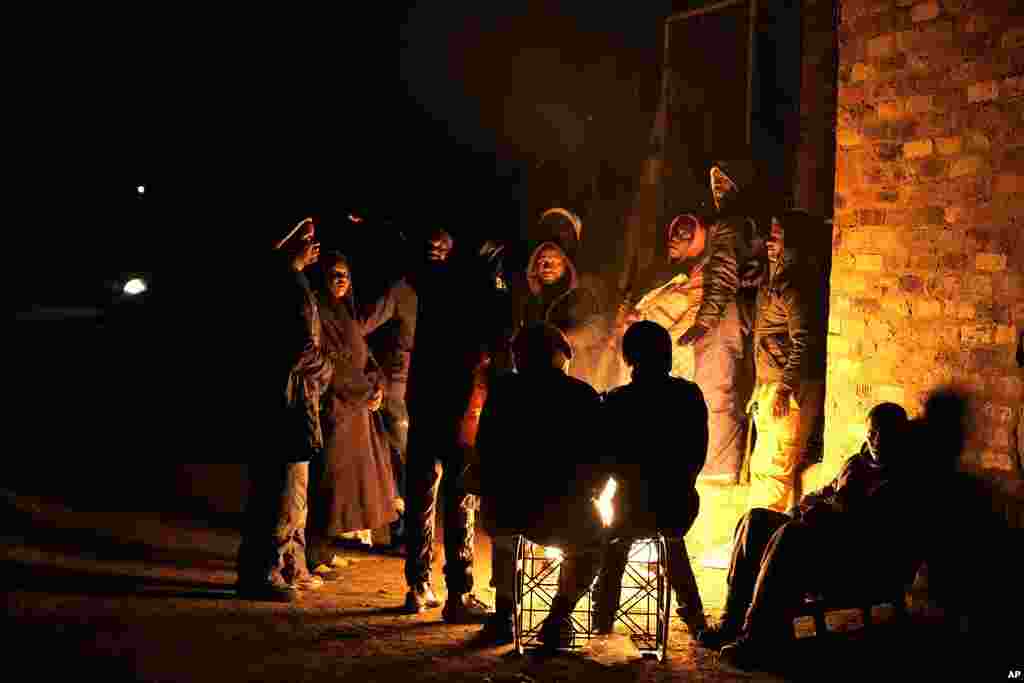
(434, 464)
(273, 546)
(680, 579)
(751, 539)
(776, 560)
(719, 372)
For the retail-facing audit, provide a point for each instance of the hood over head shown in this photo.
(570, 268)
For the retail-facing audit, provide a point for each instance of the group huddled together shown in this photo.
(516, 393)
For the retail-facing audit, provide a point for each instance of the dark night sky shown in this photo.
(239, 124)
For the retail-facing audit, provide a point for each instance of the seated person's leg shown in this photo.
(609, 586)
(787, 569)
(577, 573)
(684, 583)
(752, 536)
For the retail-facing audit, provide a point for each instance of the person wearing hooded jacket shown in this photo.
(789, 356)
(352, 487)
(272, 556)
(554, 293)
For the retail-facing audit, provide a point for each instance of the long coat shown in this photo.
(352, 485)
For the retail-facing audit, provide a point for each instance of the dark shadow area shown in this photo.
(52, 579)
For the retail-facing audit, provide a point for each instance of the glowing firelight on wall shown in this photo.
(135, 286)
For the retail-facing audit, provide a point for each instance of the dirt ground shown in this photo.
(137, 596)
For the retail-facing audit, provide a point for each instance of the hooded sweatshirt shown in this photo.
(564, 304)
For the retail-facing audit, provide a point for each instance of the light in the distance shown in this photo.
(354, 218)
(135, 286)
(141, 189)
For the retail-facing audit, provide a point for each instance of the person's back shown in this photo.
(535, 447)
(656, 436)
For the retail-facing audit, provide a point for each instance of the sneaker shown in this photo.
(715, 637)
(499, 629)
(465, 608)
(266, 591)
(420, 598)
(556, 634)
(743, 655)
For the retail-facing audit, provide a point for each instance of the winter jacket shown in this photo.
(537, 455)
(300, 372)
(659, 469)
(788, 341)
(571, 308)
(718, 266)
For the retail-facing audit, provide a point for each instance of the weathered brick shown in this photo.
(950, 145)
(1006, 334)
(891, 392)
(1012, 86)
(869, 262)
(1008, 183)
(918, 149)
(931, 168)
(871, 216)
(983, 92)
(918, 104)
(966, 311)
(889, 109)
(1013, 38)
(980, 285)
(977, 23)
(990, 262)
(882, 46)
(925, 11)
(978, 142)
(926, 308)
(977, 334)
(966, 166)
(848, 137)
(862, 72)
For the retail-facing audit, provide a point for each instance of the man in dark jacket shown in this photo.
(854, 534)
(657, 475)
(458, 331)
(789, 354)
(705, 256)
(536, 459)
(272, 557)
(555, 294)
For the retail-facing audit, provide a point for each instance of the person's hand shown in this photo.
(377, 400)
(692, 335)
(816, 512)
(780, 406)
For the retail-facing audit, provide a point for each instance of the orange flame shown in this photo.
(603, 503)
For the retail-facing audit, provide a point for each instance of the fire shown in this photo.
(552, 553)
(603, 503)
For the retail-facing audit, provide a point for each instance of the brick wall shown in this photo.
(927, 284)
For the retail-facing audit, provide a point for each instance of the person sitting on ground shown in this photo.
(532, 445)
(657, 475)
(836, 538)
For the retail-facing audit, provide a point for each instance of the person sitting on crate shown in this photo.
(657, 471)
(533, 443)
(854, 534)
